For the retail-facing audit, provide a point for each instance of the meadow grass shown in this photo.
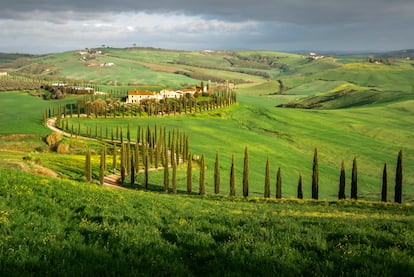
(56, 227)
(288, 137)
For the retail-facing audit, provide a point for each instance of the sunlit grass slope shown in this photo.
(54, 227)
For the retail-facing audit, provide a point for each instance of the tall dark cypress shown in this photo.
(132, 175)
(166, 173)
(114, 157)
(246, 173)
(232, 178)
(145, 158)
(123, 154)
(217, 175)
(279, 184)
(189, 174)
(202, 188)
(267, 180)
(398, 179)
(315, 176)
(341, 193)
(354, 181)
(384, 191)
(174, 177)
(300, 192)
(88, 168)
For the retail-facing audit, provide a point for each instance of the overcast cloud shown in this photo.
(41, 26)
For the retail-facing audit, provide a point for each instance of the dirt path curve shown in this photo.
(110, 181)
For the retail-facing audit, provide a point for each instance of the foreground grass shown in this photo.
(54, 227)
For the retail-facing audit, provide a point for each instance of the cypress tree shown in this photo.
(128, 158)
(267, 180)
(384, 190)
(246, 173)
(202, 187)
(398, 179)
(136, 158)
(88, 168)
(123, 162)
(279, 184)
(354, 181)
(104, 157)
(166, 174)
(132, 170)
(145, 166)
(217, 175)
(300, 193)
(315, 176)
(114, 157)
(232, 178)
(341, 193)
(189, 174)
(174, 177)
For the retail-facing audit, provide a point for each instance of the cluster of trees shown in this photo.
(154, 148)
(10, 83)
(94, 106)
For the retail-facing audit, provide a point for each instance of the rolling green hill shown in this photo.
(55, 227)
(375, 125)
(288, 105)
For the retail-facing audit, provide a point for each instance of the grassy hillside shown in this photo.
(54, 227)
(374, 127)
(354, 108)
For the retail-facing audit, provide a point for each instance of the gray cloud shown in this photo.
(195, 24)
(294, 11)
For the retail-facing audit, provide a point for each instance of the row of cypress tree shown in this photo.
(170, 159)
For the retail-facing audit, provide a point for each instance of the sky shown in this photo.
(48, 26)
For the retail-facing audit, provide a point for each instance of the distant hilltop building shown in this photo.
(314, 56)
(136, 96)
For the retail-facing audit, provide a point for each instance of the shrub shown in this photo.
(53, 139)
(62, 148)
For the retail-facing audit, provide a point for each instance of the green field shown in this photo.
(350, 108)
(54, 227)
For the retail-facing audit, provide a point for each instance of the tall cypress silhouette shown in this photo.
(88, 168)
(398, 179)
(384, 190)
(246, 173)
(315, 176)
(232, 178)
(341, 193)
(267, 180)
(189, 174)
(300, 192)
(202, 187)
(174, 177)
(279, 184)
(217, 175)
(354, 181)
